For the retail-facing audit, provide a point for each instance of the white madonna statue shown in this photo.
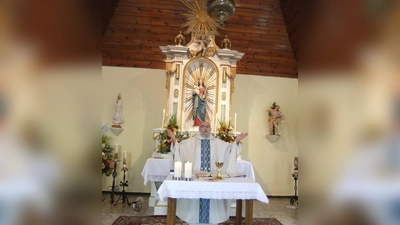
(118, 117)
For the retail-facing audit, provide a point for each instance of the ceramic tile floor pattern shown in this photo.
(276, 208)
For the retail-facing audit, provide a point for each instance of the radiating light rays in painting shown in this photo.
(194, 72)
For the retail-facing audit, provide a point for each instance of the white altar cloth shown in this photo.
(230, 188)
(158, 169)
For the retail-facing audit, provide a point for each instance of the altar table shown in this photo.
(230, 188)
(157, 170)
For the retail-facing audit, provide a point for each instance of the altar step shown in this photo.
(160, 208)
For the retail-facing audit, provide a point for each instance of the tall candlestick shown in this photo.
(188, 170)
(178, 169)
(235, 123)
(163, 118)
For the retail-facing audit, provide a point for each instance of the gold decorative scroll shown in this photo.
(231, 76)
(224, 74)
(210, 52)
(167, 81)
(168, 72)
(176, 93)
(155, 136)
(177, 72)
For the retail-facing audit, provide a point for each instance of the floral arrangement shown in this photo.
(165, 141)
(107, 158)
(225, 132)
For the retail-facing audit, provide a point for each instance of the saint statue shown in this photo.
(180, 38)
(275, 116)
(118, 117)
(202, 45)
(199, 102)
(226, 43)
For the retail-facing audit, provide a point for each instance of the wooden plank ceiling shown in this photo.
(133, 30)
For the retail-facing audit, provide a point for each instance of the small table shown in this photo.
(229, 188)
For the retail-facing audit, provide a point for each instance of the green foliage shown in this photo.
(107, 158)
(165, 141)
(225, 132)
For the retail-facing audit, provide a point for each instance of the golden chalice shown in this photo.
(219, 166)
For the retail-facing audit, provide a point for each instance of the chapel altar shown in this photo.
(200, 84)
(200, 81)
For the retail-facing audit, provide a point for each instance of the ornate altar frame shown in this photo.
(183, 63)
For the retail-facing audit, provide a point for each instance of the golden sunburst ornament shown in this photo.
(198, 20)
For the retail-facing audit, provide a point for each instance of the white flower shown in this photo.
(103, 154)
(103, 145)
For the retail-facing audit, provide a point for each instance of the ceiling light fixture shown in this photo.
(221, 10)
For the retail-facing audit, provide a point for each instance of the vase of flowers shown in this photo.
(224, 132)
(165, 141)
(107, 158)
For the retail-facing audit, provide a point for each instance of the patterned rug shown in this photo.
(159, 220)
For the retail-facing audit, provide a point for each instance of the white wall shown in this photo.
(144, 97)
(272, 162)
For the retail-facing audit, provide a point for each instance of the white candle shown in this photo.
(178, 169)
(235, 123)
(188, 170)
(124, 155)
(163, 118)
(215, 127)
(116, 153)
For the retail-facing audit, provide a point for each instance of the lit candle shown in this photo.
(163, 118)
(235, 123)
(116, 153)
(178, 169)
(188, 170)
(215, 123)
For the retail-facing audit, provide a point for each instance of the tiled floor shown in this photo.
(277, 208)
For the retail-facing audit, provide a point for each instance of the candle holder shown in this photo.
(295, 197)
(219, 166)
(114, 174)
(124, 184)
(177, 178)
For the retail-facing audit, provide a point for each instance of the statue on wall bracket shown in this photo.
(275, 117)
